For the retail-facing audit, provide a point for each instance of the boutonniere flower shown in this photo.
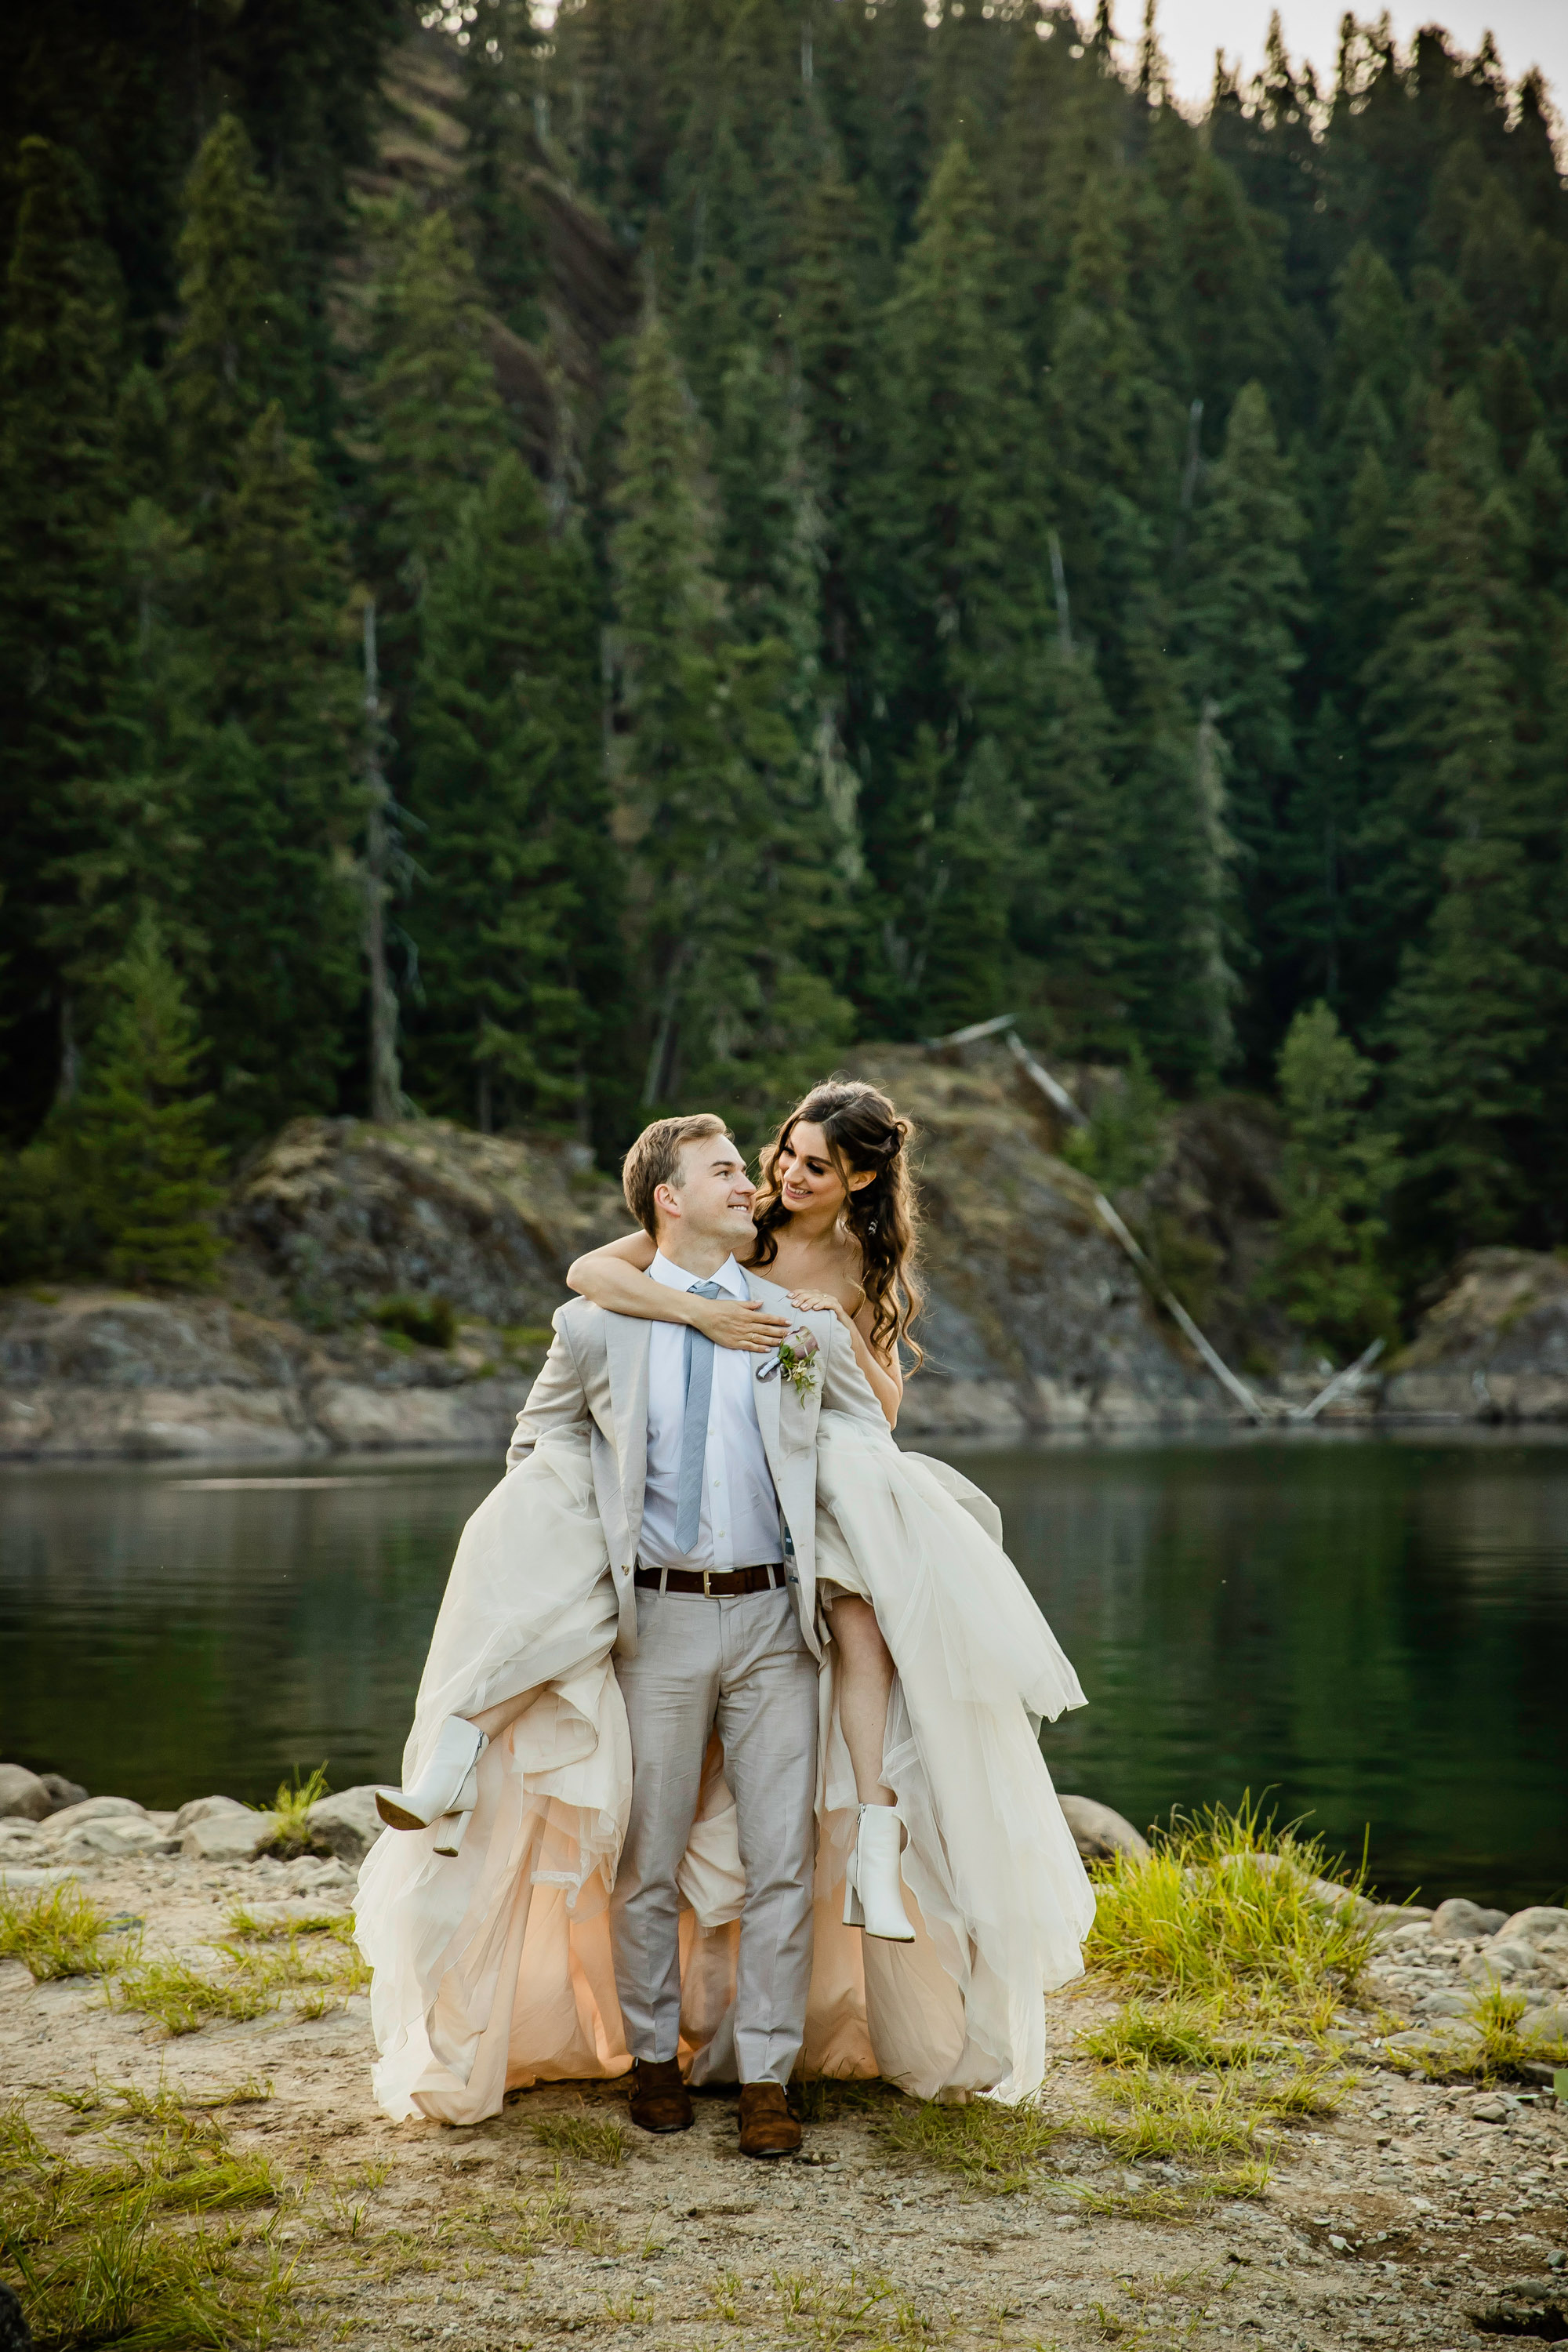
(795, 1358)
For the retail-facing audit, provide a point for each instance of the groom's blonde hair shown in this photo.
(655, 1160)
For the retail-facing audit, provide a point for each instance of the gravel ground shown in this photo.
(1397, 2221)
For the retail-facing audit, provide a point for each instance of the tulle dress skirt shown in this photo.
(493, 1968)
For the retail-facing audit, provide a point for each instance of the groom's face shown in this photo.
(713, 1200)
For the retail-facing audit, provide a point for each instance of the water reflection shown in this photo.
(1377, 1631)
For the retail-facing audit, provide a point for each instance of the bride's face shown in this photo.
(807, 1179)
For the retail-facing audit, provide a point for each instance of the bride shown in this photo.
(490, 1945)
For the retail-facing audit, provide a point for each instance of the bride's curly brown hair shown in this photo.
(863, 1133)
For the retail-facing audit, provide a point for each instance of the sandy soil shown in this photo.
(1391, 2224)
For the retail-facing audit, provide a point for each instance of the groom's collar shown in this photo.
(675, 1277)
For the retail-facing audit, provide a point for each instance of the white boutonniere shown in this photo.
(795, 1357)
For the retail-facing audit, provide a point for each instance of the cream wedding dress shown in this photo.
(493, 1968)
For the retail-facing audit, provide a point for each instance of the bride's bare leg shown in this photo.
(493, 1720)
(865, 1686)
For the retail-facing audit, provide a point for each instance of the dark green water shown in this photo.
(1376, 1633)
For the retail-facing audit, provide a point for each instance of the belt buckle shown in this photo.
(707, 1585)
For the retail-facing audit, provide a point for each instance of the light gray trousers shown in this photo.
(741, 1664)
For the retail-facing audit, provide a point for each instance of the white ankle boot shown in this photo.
(445, 1791)
(872, 1894)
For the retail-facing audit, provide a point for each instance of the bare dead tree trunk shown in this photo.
(385, 1076)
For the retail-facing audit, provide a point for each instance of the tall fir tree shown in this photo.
(241, 344)
(724, 910)
(956, 614)
(1337, 1171)
(514, 911)
(437, 417)
(62, 638)
(273, 790)
(136, 1145)
(1241, 613)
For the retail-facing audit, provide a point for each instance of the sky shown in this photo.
(1528, 33)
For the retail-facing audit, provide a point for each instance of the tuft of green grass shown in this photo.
(103, 2253)
(872, 2314)
(181, 2000)
(245, 1927)
(594, 2140)
(292, 1803)
(994, 2147)
(1498, 2049)
(57, 1931)
(1225, 1912)
(1169, 2033)
(1160, 2115)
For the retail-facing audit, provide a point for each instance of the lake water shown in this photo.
(1374, 1631)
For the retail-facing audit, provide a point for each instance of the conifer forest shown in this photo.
(828, 521)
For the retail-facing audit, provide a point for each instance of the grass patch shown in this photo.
(315, 1965)
(1162, 2116)
(869, 2314)
(1173, 2034)
(1225, 1915)
(1500, 2048)
(994, 2147)
(181, 2000)
(592, 2139)
(245, 1927)
(105, 2252)
(292, 1804)
(58, 1932)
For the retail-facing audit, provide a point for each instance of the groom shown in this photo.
(705, 1475)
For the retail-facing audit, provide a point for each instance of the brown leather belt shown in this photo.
(713, 1584)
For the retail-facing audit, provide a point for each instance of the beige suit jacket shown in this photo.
(596, 1372)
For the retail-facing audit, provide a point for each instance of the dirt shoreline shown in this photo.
(1395, 2221)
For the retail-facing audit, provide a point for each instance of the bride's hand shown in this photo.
(818, 1302)
(741, 1323)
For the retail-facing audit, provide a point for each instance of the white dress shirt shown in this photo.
(740, 1525)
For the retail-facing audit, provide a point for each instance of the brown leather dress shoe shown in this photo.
(661, 2100)
(767, 2127)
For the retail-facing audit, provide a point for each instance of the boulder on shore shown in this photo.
(1100, 1834)
(1457, 1921)
(22, 1795)
(228, 1837)
(347, 1824)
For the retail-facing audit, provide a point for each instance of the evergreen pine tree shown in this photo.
(1079, 910)
(1241, 613)
(515, 909)
(61, 638)
(726, 912)
(438, 417)
(1336, 1175)
(501, 98)
(241, 342)
(960, 608)
(1465, 845)
(137, 1141)
(273, 788)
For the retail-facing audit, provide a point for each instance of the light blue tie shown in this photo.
(699, 1382)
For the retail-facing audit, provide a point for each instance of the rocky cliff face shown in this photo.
(392, 1288)
(335, 1225)
(1493, 1346)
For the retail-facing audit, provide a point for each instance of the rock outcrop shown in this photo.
(391, 1288)
(1493, 1346)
